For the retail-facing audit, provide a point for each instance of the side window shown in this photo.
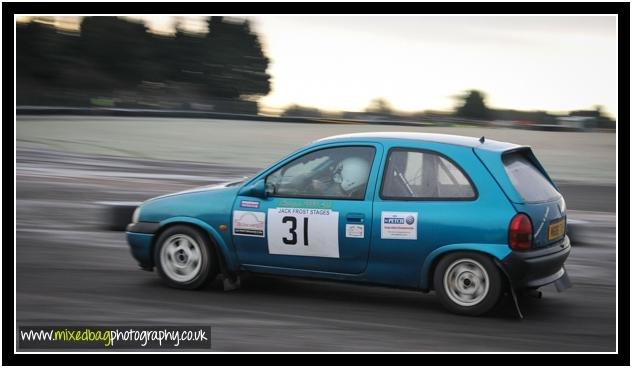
(339, 172)
(412, 174)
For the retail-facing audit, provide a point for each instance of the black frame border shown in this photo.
(620, 8)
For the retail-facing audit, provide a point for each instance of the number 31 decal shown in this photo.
(303, 232)
(292, 241)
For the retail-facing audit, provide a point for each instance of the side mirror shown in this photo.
(270, 189)
(256, 189)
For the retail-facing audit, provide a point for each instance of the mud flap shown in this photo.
(511, 288)
(563, 282)
(230, 283)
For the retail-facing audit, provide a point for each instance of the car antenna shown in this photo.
(482, 139)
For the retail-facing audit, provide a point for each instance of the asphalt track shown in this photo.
(71, 272)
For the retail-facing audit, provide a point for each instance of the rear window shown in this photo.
(528, 180)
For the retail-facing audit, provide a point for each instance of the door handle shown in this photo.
(355, 217)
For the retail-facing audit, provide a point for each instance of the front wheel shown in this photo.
(468, 283)
(184, 258)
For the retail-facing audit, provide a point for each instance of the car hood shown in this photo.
(204, 188)
(210, 204)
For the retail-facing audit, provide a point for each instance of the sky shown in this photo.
(423, 62)
(417, 63)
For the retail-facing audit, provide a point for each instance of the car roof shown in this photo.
(458, 140)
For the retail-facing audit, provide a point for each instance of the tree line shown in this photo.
(470, 105)
(113, 61)
(114, 58)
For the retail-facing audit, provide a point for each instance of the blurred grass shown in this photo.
(569, 156)
(102, 102)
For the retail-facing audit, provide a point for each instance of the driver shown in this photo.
(348, 176)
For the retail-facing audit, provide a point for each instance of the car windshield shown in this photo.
(235, 183)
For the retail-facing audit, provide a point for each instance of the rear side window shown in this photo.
(528, 180)
(413, 174)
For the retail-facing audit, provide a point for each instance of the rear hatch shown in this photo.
(531, 191)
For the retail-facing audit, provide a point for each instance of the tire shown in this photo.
(185, 258)
(468, 283)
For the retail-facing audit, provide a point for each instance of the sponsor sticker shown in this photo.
(399, 225)
(249, 204)
(354, 231)
(305, 203)
(249, 223)
(303, 232)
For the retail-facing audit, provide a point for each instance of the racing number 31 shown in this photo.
(293, 240)
(284, 227)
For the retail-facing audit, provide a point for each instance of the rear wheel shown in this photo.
(468, 283)
(184, 258)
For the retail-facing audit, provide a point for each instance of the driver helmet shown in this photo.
(351, 173)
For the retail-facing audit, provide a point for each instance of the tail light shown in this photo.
(520, 232)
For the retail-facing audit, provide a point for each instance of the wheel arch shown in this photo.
(223, 253)
(496, 251)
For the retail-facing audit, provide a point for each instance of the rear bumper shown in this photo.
(532, 269)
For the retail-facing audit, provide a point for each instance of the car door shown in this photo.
(316, 215)
(425, 200)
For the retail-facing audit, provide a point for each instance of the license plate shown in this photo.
(556, 229)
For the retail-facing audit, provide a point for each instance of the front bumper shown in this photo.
(140, 238)
(143, 227)
(539, 267)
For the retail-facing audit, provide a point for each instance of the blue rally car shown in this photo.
(468, 218)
